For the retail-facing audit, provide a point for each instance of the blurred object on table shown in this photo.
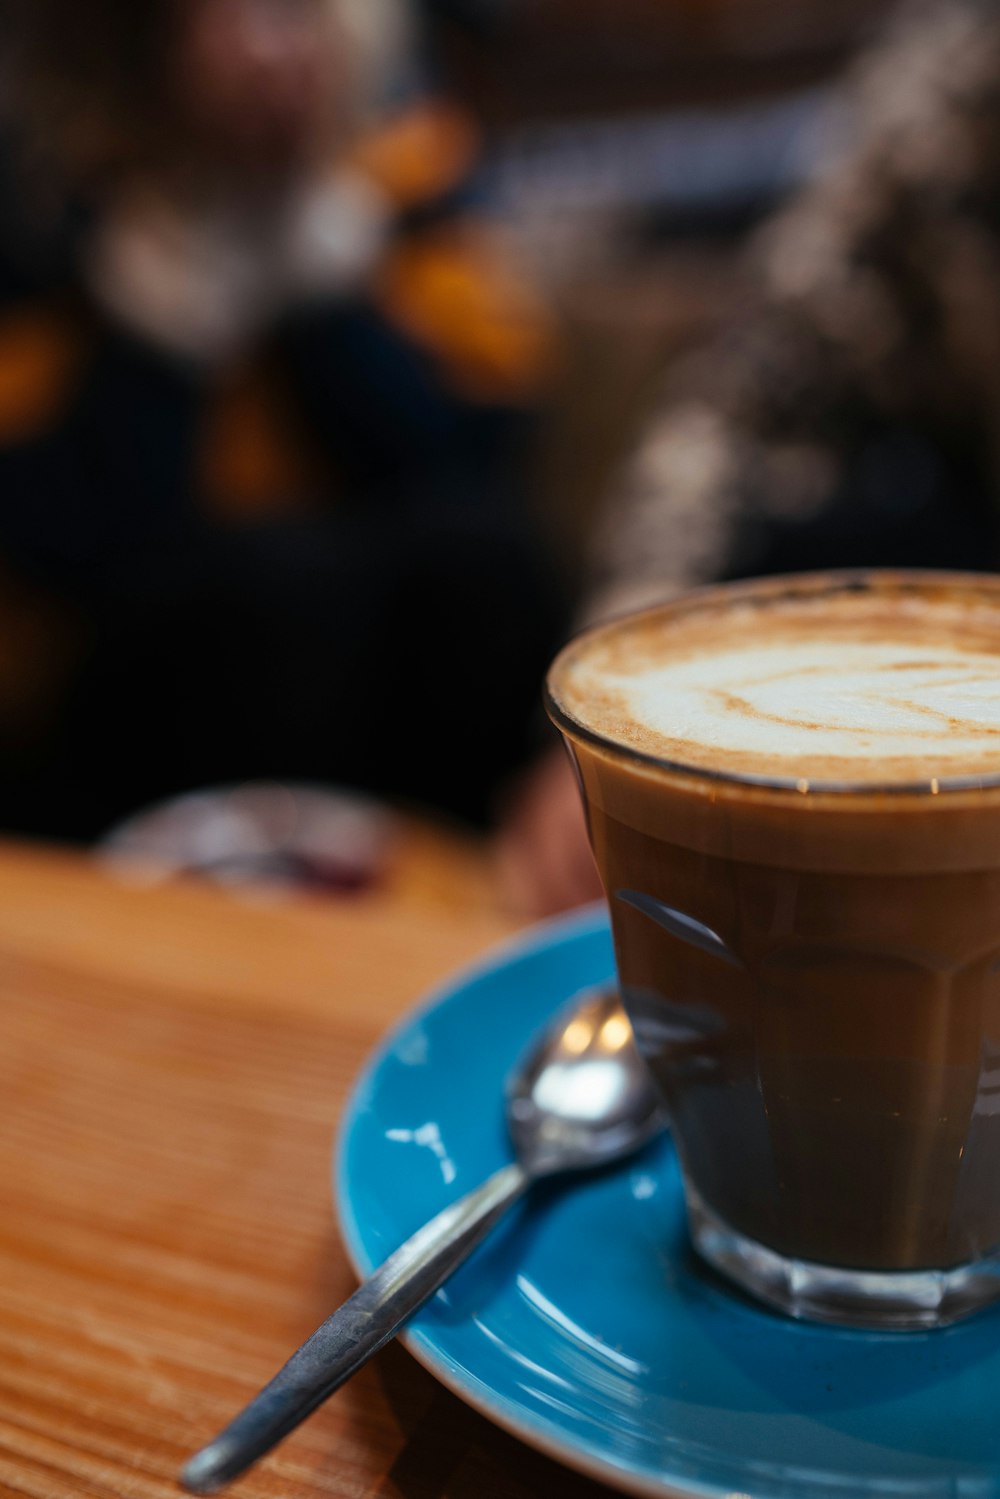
(280, 836)
(267, 841)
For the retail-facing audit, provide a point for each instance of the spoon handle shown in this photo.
(356, 1331)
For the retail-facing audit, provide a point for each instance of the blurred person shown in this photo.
(850, 417)
(265, 392)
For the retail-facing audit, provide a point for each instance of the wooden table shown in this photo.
(173, 1064)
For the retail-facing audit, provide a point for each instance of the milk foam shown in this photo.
(827, 700)
(775, 696)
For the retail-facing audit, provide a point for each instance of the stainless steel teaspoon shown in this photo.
(579, 1098)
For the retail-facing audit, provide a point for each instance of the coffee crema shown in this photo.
(890, 683)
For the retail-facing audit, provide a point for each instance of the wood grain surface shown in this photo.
(174, 1061)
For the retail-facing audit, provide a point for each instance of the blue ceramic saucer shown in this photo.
(587, 1327)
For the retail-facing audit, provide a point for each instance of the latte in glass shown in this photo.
(793, 794)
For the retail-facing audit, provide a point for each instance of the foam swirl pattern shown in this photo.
(849, 687)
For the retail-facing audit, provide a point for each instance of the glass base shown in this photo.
(902, 1300)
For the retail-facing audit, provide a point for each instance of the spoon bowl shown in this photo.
(581, 1096)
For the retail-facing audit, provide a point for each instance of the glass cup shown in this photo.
(812, 971)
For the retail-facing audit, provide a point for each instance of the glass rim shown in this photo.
(816, 583)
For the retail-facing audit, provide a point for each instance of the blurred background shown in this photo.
(630, 147)
(325, 326)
